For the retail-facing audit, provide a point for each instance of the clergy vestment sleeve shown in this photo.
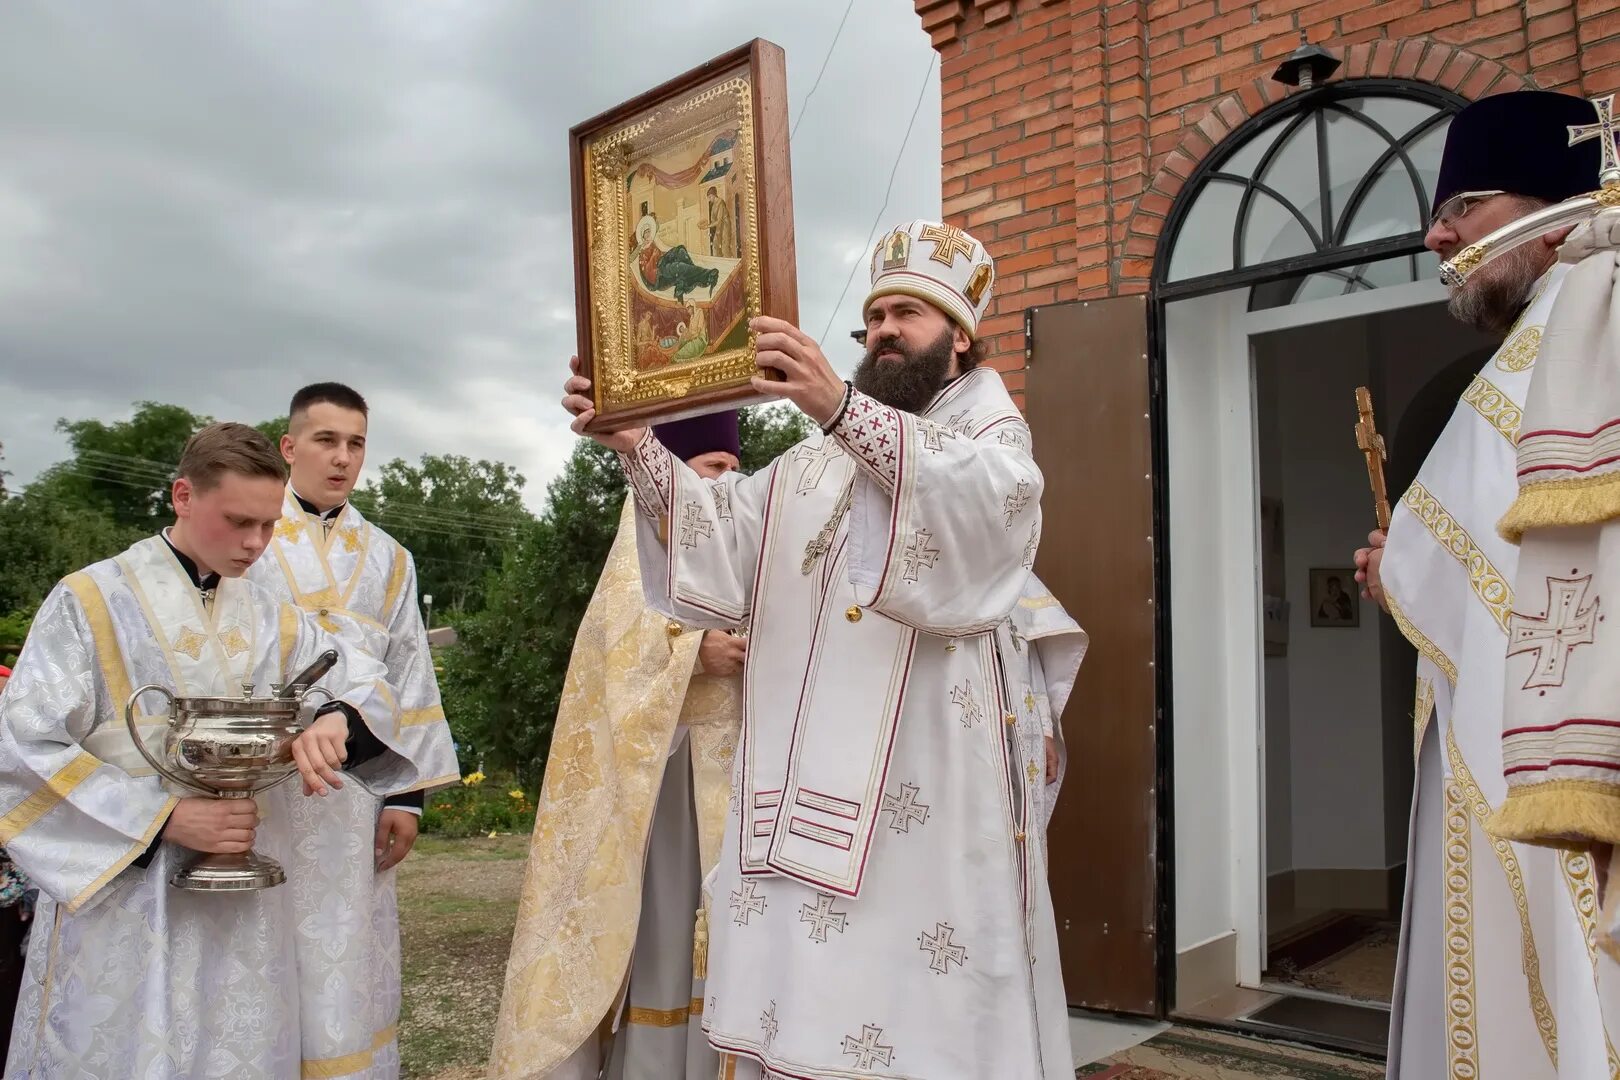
(698, 540)
(945, 518)
(70, 820)
(360, 682)
(424, 730)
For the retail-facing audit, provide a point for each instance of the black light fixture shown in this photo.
(1307, 66)
(859, 336)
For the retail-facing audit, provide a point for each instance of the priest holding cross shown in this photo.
(880, 904)
(1503, 970)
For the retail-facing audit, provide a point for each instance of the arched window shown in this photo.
(1324, 193)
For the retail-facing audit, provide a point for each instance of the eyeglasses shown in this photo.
(1460, 205)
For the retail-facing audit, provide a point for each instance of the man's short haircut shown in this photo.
(327, 393)
(229, 448)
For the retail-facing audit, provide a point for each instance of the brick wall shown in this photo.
(1069, 126)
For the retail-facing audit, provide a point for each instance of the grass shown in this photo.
(457, 906)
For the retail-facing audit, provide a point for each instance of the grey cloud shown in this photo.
(212, 203)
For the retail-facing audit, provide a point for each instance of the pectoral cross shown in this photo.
(1604, 130)
(1371, 443)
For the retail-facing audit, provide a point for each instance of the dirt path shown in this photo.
(457, 905)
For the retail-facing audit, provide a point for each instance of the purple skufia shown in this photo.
(1519, 142)
(701, 435)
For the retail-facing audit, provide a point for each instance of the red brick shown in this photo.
(1054, 196)
(1564, 74)
(1050, 275)
(1457, 70)
(1433, 61)
(1092, 278)
(1023, 148)
(1480, 80)
(1477, 29)
(1187, 54)
(1485, 7)
(1407, 58)
(1186, 95)
(1504, 46)
(1268, 8)
(1185, 15)
(1596, 57)
(1444, 14)
(1047, 161)
(1216, 27)
(1598, 27)
(974, 92)
(1159, 44)
(1606, 81)
(1533, 8)
(1281, 25)
(1550, 52)
(1241, 60)
(1559, 22)
(961, 204)
(986, 72)
(1015, 44)
(992, 139)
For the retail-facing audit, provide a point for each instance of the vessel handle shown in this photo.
(140, 744)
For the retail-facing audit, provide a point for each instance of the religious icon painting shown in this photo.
(1335, 599)
(683, 232)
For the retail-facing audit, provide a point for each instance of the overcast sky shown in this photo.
(211, 203)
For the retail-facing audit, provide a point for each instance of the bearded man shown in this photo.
(880, 903)
(1498, 973)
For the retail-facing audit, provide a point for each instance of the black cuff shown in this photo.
(144, 859)
(413, 799)
(362, 745)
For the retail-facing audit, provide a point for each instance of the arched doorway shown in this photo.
(1291, 270)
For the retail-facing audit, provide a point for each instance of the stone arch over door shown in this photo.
(1413, 60)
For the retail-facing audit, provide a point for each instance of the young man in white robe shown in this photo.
(880, 906)
(126, 975)
(603, 972)
(1498, 976)
(359, 583)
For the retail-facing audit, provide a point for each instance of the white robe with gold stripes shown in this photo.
(1498, 973)
(127, 976)
(358, 582)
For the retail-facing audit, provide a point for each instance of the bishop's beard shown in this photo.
(910, 383)
(1494, 295)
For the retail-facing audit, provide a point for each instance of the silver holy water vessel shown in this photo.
(232, 748)
(1574, 211)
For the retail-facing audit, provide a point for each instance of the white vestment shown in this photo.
(127, 976)
(359, 583)
(1053, 645)
(877, 909)
(1497, 971)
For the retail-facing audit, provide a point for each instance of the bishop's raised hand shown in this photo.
(577, 400)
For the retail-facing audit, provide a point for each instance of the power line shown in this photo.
(878, 220)
(804, 106)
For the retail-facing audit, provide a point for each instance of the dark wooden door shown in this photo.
(1087, 402)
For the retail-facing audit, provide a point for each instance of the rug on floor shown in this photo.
(1351, 956)
(1184, 1054)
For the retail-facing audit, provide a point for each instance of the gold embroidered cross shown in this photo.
(949, 242)
(289, 529)
(349, 535)
(190, 642)
(1604, 131)
(233, 642)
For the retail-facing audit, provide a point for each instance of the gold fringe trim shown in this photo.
(1566, 814)
(700, 945)
(1585, 500)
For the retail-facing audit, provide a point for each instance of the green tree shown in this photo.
(45, 538)
(455, 515)
(503, 680)
(767, 433)
(126, 467)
